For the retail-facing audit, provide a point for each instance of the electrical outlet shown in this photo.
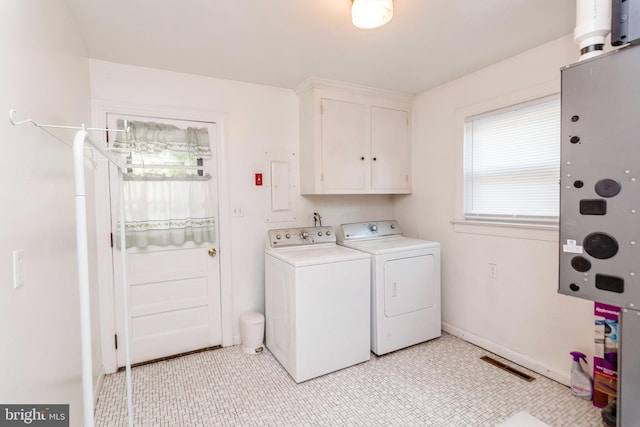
(18, 268)
(237, 212)
(493, 270)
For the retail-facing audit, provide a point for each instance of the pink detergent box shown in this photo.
(605, 358)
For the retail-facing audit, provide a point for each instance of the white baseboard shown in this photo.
(520, 359)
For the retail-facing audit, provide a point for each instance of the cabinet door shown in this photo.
(345, 146)
(390, 150)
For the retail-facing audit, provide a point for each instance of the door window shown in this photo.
(165, 188)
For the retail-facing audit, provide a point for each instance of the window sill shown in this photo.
(549, 233)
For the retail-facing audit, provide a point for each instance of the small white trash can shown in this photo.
(252, 332)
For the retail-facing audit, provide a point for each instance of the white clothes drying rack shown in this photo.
(81, 137)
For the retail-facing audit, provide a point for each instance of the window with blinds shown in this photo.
(512, 164)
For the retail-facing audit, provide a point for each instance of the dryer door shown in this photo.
(409, 284)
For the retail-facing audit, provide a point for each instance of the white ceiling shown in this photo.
(282, 42)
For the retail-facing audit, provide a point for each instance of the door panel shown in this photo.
(159, 265)
(168, 293)
(180, 330)
(173, 291)
(175, 321)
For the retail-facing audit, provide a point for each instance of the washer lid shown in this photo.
(316, 254)
(386, 245)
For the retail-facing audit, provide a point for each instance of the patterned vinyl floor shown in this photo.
(440, 383)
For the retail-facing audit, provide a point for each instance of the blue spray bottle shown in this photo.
(581, 385)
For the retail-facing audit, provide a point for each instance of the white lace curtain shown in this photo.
(164, 209)
(154, 138)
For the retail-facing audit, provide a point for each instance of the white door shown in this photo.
(173, 291)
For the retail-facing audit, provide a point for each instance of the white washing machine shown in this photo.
(317, 302)
(405, 284)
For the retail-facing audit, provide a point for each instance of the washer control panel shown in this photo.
(283, 237)
(369, 230)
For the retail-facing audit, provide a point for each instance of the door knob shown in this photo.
(212, 252)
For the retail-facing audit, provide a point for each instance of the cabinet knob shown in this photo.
(374, 159)
(361, 158)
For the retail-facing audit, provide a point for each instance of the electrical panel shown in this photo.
(600, 179)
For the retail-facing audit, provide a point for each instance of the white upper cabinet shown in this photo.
(354, 140)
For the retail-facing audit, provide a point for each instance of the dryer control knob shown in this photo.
(288, 236)
(304, 234)
(373, 228)
(278, 236)
(393, 226)
(319, 233)
(328, 233)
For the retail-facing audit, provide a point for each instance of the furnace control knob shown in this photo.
(373, 228)
(304, 234)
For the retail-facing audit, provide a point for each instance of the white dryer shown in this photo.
(405, 284)
(317, 302)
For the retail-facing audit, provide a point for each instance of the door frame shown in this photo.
(106, 282)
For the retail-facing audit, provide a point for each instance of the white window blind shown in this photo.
(512, 164)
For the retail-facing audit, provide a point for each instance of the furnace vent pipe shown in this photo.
(593, 24)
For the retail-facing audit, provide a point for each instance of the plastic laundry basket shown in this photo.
(252, 332)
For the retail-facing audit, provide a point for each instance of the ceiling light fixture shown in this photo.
(368, 14)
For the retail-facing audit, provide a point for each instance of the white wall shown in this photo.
(518, 314)
(44, 76)
(261, 121)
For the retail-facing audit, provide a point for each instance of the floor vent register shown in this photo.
(509, 369)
